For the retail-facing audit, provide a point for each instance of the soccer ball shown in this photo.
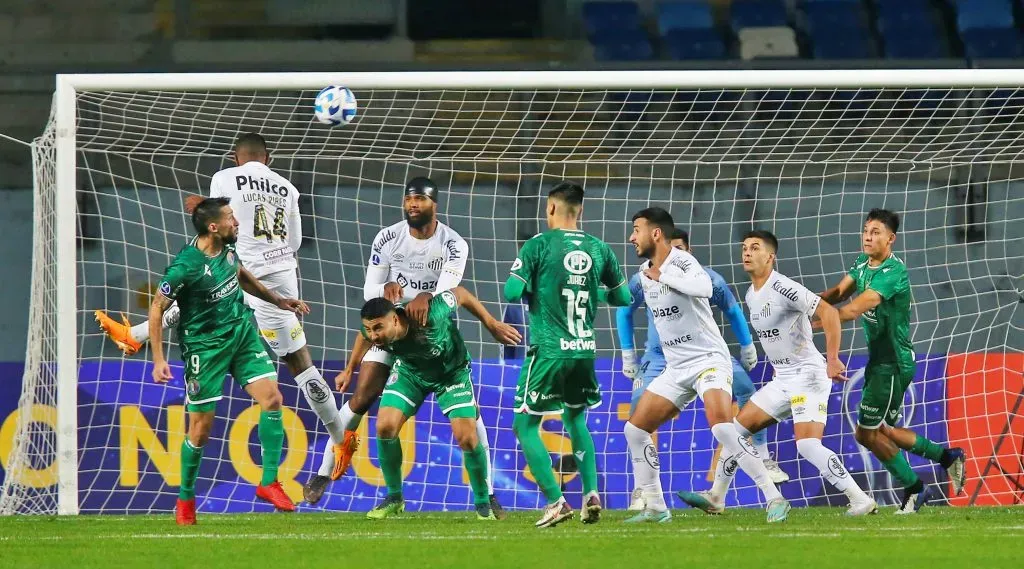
(334, 105)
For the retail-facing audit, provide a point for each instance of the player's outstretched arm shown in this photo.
(829, 318)
(359, 349)
(514, 288)
(253, 286)
(865, 301)
(840, 292)
(502, 332)
(161, 370)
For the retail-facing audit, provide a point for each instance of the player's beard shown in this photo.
(645, 252)
(420, 220)
(230, 238)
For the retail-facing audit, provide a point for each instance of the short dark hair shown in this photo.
(569, 193)
(764, 235)
(888, 218)
(681, 235)
(251, 142)
(658, 217)
(376, 308)
(206, 212)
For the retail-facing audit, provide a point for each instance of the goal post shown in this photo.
(802, 152)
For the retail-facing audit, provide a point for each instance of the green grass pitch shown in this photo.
(812, 538)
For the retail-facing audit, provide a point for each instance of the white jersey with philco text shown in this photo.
(779, 314)
(267, 208)
(431, 265)
(685, 324)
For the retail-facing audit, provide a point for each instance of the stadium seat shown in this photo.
(907, 41)
(974, 14)
(684, 16)
(841, 43)
(904, 10)
(623, 45)
(767, 43)
(757, 14)
(992, 43)
(833, 14)
(601, 17)
(695, 44)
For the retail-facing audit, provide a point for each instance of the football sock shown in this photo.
(901, 471)
(729, 437)
(481, 435)
(527, 429)
(190, 458)
(575, 421)
(389, 453)
(646, 466)
(271, 434)
(476, 466)
(927, 449)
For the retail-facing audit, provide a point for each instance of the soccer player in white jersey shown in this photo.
(269, 235)
(676, 289)
(411, 261)
(780, 312)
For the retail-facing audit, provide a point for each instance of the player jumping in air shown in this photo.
(411, 261)
(270, 233)
(431, 358)
(676, 289)
(780, 311)
(883, 304)
(653, 361)
(218, 337)
(561, 270)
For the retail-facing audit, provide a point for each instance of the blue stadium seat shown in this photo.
(904, 11)
(623, 45)
(695, 44)
(992, 43)
(833, 14)
(909, 41)
(973, 14)
(684, 16)
(841, 43)
(757, 14)
(600, 17)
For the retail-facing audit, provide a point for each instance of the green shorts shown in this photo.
(882, 397)
(242, 354)
(406, 391)
(547, 384)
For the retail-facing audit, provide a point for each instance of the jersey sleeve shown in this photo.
(178, 275)
(441, 308)
(624, 314)
(890, 281)
(687, 277)
(722, 297)
(454, 267)
(524, 267)
(612, 276)
(378, 267)
(857, 264)
(805, 301)
(295, 222)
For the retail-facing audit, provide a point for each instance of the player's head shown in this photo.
(651, 227)
(251, 147)
(879, 235)
(420, 202)
(680, 239)
(760, 248)
(213, 216)
(380, 318)
(565, 201)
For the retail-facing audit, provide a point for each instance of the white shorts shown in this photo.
(682, 385)
(802, 393)
(379, 356)
(281, 329)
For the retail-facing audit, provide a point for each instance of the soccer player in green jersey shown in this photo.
(883, 304)
(562, 270)
(430, 358)
(218, 337)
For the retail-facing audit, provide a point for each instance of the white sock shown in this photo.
(321, 401)
(326, 460)
(831, 467)
(646, 467)
(725, 471)
(140, 332)
(349, 418)
(735, 444)
(481, 435)
(762, 449)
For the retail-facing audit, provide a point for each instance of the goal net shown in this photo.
(805, 155)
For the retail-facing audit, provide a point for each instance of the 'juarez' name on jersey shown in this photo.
(887, 326)
(207, 292)
(563, 271)
(435, 352)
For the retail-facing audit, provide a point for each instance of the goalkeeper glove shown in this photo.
(629, 367)
(748, 356)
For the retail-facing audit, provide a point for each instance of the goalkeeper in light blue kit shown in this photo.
(653, 361)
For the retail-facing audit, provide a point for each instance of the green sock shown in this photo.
(271, 433)
(476, 466)
(575, 421)
(389, 453)
(190, 457)
(926, 448)
(527, 430)
(900, 468)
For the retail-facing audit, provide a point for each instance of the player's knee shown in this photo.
(272, 401)
(467, 439)
(388, 428)
(865, 437)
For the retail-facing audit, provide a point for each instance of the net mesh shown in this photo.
(806, 164)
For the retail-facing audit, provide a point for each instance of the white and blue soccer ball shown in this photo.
(335, 105)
